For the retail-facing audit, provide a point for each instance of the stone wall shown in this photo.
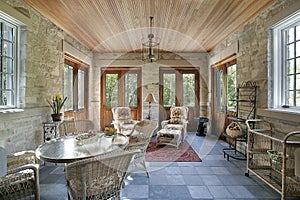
(43, 62)
(252, 60)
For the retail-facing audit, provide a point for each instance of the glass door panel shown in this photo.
(131, 89)
(120, 87)
(169, 90)
(111, 90)
(188, 90)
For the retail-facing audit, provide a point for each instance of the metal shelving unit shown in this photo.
(245, 109)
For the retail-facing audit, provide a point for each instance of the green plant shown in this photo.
(57, 103)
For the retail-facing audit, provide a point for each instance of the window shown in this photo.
(112, 90)
(226, 74)
(121, 87)
(131, 88)
(219, 90)
(188, 90)
(8, 64)
(169, 87)
(179, 87)
(231, 88)
(286, 61)
(75, 84)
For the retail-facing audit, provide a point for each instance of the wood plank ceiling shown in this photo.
(120, 25)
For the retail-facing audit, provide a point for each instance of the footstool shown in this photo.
(169, 137)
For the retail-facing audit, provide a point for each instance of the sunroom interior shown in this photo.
(95, 54)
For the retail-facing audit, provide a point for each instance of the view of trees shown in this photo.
(169, 90)
(131, 90)
(188, 90)
(111, 90)
(231, 88)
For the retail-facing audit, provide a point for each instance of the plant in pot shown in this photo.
(56, 104)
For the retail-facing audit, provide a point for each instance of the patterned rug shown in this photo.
(165, 153)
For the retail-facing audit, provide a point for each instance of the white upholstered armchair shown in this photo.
(178, 120)
(122, 119)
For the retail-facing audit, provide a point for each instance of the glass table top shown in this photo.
(70, 148)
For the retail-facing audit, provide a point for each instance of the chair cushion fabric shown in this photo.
(175, 120)
(3, 162)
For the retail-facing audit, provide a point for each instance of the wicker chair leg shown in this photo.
(145, 168)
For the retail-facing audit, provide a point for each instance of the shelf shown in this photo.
(231, 152)
(273, 178)
(236, 119)
(281, 177)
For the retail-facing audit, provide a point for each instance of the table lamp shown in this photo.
(149, 98)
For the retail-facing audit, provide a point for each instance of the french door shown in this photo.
(120, 87)
(179, 87)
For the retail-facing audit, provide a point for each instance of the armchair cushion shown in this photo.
(3, 162)
(122, 119)
(175, 120)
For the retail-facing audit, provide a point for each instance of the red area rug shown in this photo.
(165, 153)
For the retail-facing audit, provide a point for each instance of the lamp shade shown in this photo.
(150, 98)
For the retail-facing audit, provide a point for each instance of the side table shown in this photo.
(50, 130)
(201, 126)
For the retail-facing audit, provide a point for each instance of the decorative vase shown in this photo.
(56, 117)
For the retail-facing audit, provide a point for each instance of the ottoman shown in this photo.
(169, 137)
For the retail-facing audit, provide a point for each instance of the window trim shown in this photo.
(19, 96)
(77, 64)
(277, 67)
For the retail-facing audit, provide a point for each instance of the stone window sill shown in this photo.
(11, 110)
(280, 113)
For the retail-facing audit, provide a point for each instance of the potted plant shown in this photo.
(56, 104)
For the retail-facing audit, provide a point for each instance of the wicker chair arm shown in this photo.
(21, 158)
(34, 167)
(164, 122)
(137, 146)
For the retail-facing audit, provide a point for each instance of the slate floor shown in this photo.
(213, 178)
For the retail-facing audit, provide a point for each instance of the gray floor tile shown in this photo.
(219, 191)
(135, 192)
(211, 180)
(191, 179)
(175, 179)
(240, 192)
(200, 192)
(169, 192)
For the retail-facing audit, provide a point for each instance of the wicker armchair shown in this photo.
(75, 127)
(178, 120)
(122, 119)
(140, 138)
(99, 177)
(22, 177)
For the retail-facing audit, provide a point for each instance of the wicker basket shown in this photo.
(235, 130)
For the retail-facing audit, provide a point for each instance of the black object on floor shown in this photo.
(202, 126)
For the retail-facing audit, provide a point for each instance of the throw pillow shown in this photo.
(175, 120)
(176, 112)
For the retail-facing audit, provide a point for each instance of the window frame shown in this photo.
(78, 65)
(278, 67)
(178, 90)
(4, 19)
(221, 74)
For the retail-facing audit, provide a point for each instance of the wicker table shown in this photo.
(67, 149)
